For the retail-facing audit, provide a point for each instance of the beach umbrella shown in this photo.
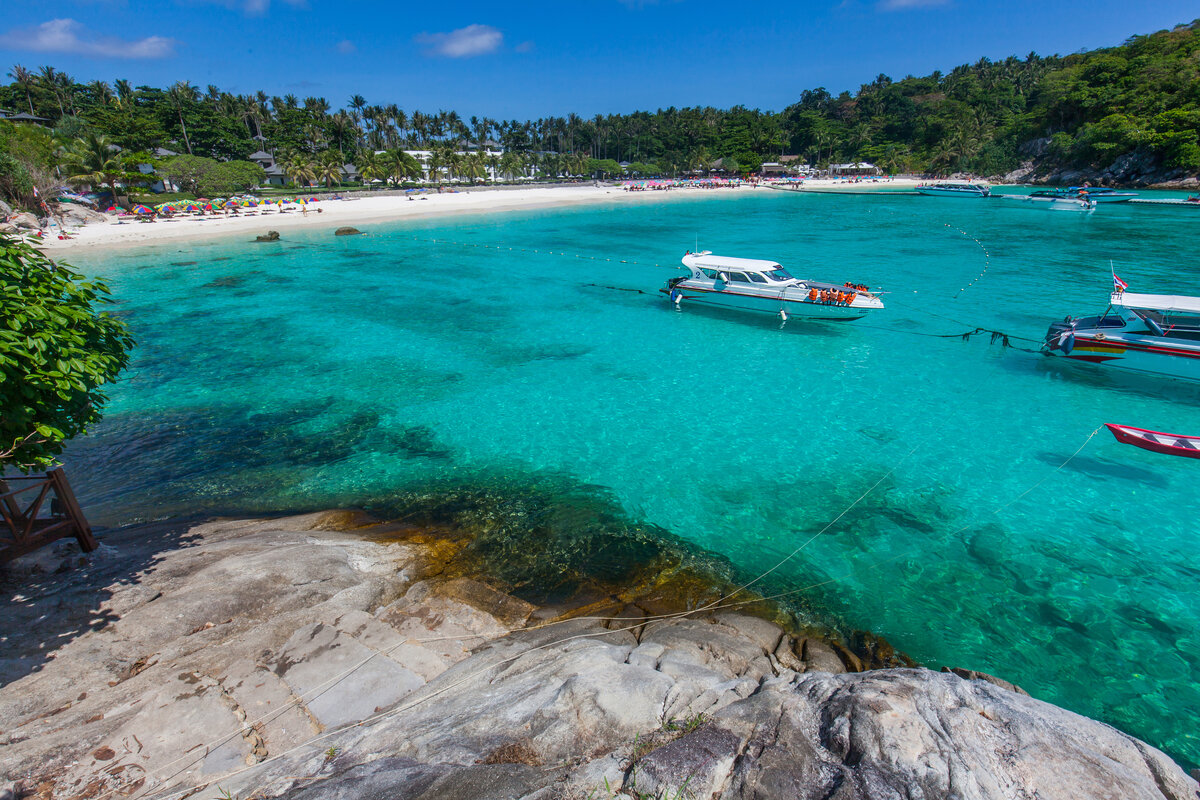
(142, 210)
(230, 204)
(116, 209)
(190, 207)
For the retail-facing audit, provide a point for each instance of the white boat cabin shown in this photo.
(737, 270)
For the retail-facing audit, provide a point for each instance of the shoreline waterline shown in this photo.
(366, 209)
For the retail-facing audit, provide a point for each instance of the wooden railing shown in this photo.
(28, 522)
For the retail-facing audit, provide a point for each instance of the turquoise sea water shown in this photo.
(324, 371)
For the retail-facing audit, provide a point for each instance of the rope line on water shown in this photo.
(986, 259)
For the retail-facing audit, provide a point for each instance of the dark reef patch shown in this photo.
(229, 281)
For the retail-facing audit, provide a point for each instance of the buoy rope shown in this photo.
(986, 259)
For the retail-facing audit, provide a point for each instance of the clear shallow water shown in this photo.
(326, 371)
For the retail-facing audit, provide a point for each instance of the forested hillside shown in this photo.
(1129, 113)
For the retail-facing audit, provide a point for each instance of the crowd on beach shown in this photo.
(689, 183)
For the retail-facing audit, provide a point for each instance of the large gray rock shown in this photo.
(80, 215)
(907, 733)
(317, 657)
(24, 220)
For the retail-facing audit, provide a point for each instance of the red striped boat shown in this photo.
(1173, 444)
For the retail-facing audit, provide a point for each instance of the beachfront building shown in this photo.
(275, 173)
(28, 119)
(855, 169)
(786, 165)
(424, 157)
(161, 185)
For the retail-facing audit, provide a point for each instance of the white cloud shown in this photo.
(346, 47)
(473, 40)
(524, 47)
(896, 5)
(69, 36)
(255, 8)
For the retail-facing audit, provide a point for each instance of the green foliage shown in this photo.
(57, 349)
(16, 185)
(208, 177)
(1142, 96)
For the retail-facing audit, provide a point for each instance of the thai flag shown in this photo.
(1118, 284)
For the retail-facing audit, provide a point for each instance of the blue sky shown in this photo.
(535, 58)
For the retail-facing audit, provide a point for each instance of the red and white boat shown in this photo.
(1173, 444)
(1150, 333)
(749, 284)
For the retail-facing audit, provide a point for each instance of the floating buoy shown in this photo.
(783, 315)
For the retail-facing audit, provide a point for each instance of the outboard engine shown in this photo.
(1060, 336)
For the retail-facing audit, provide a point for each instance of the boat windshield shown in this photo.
(780, 274)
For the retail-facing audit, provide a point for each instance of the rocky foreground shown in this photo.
(331, 656)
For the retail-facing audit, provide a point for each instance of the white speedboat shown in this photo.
(1101, 194)
(1054, 200)
(749, 284)
(953, 189)
(1150, 333)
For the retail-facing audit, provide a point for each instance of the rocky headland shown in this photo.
(333, 655)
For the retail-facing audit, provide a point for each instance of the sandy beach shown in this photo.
(359, 210)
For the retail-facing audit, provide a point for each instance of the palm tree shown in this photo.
(493, 162)
(473, 167)
(512, 164)
(102, 92)
(48, 77)
(66, 89)
(298, 167)
(180, 94)
(402, 166)
(341, 130)
(94, 161)
(25, 80)
(329, 168)
(125, 93)
(435, 164)
(371, 167)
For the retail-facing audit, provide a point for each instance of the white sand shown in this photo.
(357, 212)
(364, 210)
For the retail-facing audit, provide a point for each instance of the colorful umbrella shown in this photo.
(142, 210)
(116, 209)
(230, 204)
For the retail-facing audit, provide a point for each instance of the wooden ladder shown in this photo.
(25, 528)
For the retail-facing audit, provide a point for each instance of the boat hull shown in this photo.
(1051, 203)
(931, 192)
(1156, 441)
(1144, 354)
(760, 304)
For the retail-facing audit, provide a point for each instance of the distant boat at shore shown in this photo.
(1053, 199)
(953, 189)
(1102, 194)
